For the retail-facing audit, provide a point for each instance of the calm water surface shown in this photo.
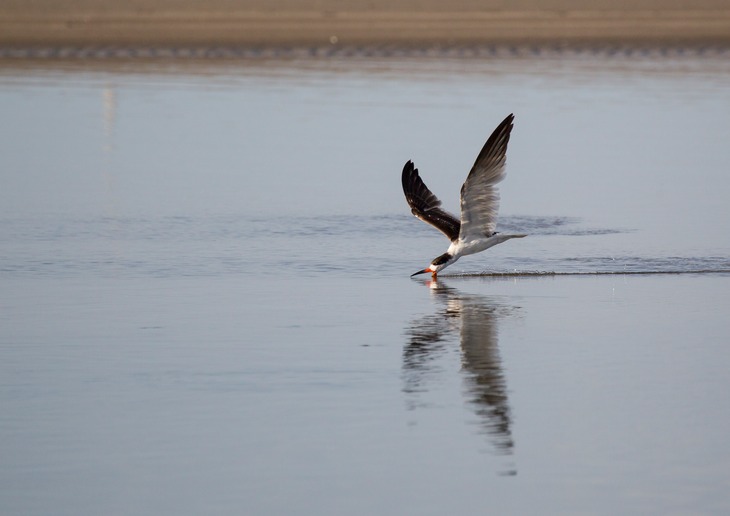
(206, 305)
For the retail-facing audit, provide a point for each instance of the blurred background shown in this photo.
(205, 257)
(319, 22)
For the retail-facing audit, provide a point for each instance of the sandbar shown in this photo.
(357, 22)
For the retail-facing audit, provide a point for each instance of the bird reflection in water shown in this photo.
(474, 320)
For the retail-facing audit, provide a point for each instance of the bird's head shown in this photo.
(437, 264)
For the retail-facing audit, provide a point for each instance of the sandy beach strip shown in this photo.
(216, 22)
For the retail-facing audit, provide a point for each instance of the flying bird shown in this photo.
(475, 232)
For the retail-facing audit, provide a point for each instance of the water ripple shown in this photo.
(315, 245)
(635, 265)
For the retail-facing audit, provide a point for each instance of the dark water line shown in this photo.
(100, 52)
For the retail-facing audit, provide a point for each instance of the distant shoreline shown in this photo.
(99, 54)
(88, 26)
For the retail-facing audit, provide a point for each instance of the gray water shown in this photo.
(206, 305)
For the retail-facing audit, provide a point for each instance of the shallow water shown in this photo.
(206, 304)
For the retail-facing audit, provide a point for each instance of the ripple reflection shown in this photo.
(474, 320)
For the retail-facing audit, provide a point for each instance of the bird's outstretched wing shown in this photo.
(425, 205)
(479, 195)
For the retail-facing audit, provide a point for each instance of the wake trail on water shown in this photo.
(517, 274)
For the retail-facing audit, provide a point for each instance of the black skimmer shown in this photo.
(475, 232)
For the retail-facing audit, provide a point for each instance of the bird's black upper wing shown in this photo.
(425, 205)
